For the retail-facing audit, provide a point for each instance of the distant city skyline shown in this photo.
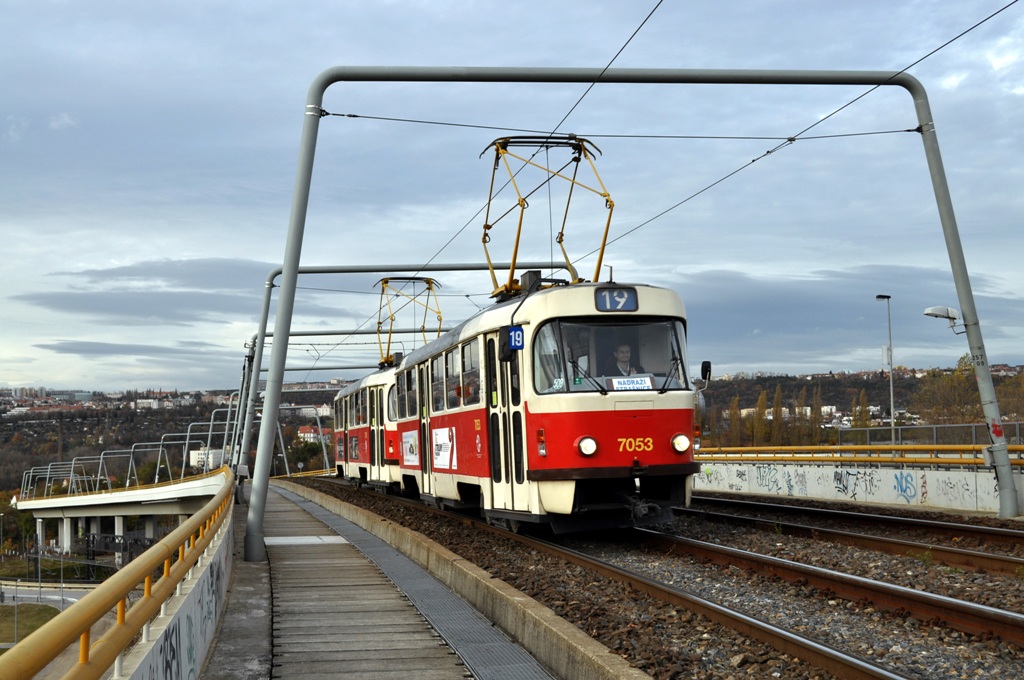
(997, 370)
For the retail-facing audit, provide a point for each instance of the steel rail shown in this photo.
(964, 616)
(1001, 535)
(955, 557)
(813, 652)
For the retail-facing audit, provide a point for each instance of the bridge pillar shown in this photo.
(64, 534)
(150, 526)
(95, 524)
(119, 531)
(40, 535)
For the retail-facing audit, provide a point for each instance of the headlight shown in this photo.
(587, 446)
(680, 443)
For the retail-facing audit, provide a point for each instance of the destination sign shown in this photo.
(618, 299)
(632, 382)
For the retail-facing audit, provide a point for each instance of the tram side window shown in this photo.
(361, 399)
(437, 384)
(350, 411)
(400, 394)
(453, 377)
(471, 372)
(393, 402)
(411, 393)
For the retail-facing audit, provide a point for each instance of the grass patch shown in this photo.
(30, 617)
(19, 567)
(922, 557)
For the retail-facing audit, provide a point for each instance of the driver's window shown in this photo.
(548, 373)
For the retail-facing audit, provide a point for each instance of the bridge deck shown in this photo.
(345, 602)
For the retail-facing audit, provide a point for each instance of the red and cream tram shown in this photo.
(569, 406)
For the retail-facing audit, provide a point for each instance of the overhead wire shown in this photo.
(551, 133)
(783, 141)
(792, 139)
(767, 138)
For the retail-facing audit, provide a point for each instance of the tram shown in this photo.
(566, 404)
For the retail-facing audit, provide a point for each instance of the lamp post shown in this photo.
(2, 551)
(892, 392)
(995, 455)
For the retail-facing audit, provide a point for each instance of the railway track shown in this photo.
(974, 619)
(964, 616)
(983, 535)
(955, 557)
(822, 656)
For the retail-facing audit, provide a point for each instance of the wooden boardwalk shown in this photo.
(335, 613)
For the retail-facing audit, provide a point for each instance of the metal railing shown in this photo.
(173, 558)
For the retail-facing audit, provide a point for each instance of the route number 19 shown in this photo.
(616, 300)
(515, 338)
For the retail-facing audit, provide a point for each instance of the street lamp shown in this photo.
(892, 392)
(995, 455)
(949, 314)
(2, 551)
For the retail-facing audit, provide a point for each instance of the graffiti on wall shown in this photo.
(181, 648)
(975, 489)
(905, 486)
(800, 479)
(957, 492)
(767, 477)
(856, 484)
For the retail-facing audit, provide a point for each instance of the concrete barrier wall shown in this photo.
(971, 489)
(180, 639)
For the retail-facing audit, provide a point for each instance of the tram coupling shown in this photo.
(639, 509)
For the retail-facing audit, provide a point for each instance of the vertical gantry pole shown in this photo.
(254, 549)
(256, 365)
(1008, 505)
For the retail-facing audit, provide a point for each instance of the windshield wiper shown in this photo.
(586, 374)
(673, 368)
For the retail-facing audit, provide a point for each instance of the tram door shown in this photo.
(377, 433)
(423, 401)
(505, 432)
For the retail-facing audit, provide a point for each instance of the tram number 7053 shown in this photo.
(636, 444)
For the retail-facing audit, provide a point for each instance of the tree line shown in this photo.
(788, 410)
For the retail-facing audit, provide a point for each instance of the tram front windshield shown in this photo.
(599, 356)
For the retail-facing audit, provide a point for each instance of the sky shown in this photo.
(148, 154)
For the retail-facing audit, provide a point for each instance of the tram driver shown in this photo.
(623, 363)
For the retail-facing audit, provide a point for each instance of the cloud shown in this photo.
(1006, 53)
(112, 349)
(189, 293)
(62, 121)
(14, 128)
(952, 81)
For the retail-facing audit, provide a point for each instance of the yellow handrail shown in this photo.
(32, 654)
